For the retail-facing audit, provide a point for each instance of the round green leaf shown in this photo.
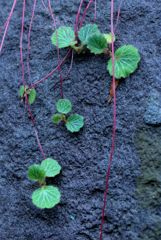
(127, 58)
(63, 37)
(32, 96)
(75, 122)
(108, 37)
(63, 106)
(36, 173)
(46, 197)
(97, 43)
(57, 118)
(21, 91)
(51, 167)
(87, 31)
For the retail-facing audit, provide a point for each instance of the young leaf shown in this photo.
(46, 197)
(127, 58)
(63, 106)
(87, 31)
(75, 122)
(97, 44)
(108, 37)
(21, 91)
(57, 118)
(63, 37)
(36, 173)
(32, 96)
(51, 167)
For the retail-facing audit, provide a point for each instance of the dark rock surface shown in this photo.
(84, 156)
(152, 114)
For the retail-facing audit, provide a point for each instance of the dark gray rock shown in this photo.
(83, 156)
(152, 114)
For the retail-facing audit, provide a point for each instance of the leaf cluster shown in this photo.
(46, 196)
(30, 93)
(90, 37)
(73, 122)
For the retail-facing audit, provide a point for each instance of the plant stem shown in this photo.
(85, 12)
(21, 42)
(52, 72)
(58, 50)
(29, 36)
(35, 130)
(7, 24)
(114, 123)
(77, 19)
(118, 15)
(23, 79)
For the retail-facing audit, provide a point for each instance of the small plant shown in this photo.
(46, 196)
(74, 122)
(89, 37)
(30, 93)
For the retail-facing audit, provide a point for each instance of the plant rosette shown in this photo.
(73, 122)
(47, 196)
(30, 93)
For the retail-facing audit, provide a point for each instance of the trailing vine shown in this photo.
(91, 39)
(74, 122)
(82, 38)
(46, 196)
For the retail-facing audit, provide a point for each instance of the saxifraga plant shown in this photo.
(127, 57)
(73, 122)
(47, 196)
(30, 93)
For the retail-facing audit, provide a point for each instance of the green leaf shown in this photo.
(108, 37)
(46, 197)
(32, 96)
(57, 118)
(127, 58)
(36, 173)
(87, 31)
(63, 106)
(75, 122)
(97, 44)
(51, 167)
(21, 91)
(63, 37)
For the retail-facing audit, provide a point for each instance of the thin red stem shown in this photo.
(3, 26)
(21, 42)
(114, 124)
(7, 24)
(118, 15)
(29, 37)
(85, 12)
(71, 64)
(52, 72)
(35, 130)
(23, 78)
(77, 18)
(58, 50)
